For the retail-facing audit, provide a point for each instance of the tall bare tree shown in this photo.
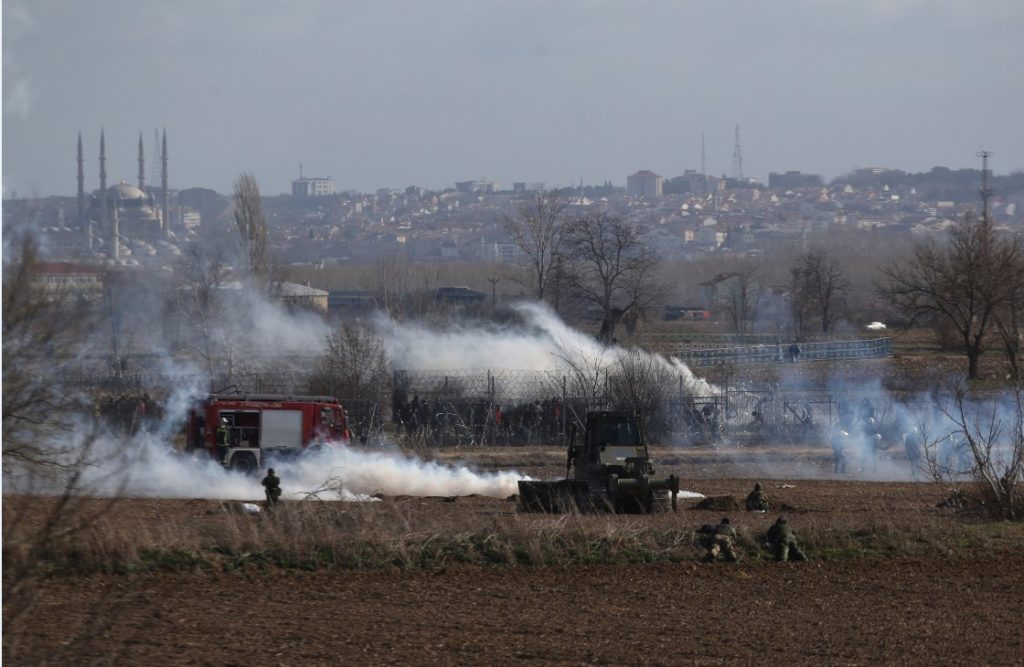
(610, 269)
(737, 299)
(41, 329)
(537, 230)
(964, 283)
(819, 284)
(195, 316)
(251, 225)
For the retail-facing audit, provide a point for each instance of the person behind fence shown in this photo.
(782, 541)
(839, 452)
(272, 487)
(720, 539)
(794, 352)
(757, 501)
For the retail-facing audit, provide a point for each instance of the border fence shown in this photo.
(470, 407)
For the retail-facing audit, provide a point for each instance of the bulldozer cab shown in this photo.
(614, 439)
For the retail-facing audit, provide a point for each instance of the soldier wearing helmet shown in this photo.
(782, 541)
(757, 501)
(272, 487)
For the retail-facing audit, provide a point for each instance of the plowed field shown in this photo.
(966, 607)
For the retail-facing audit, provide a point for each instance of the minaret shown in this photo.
(115, 235)
(81, 184)
(165, 220)
(142, 166)
(103, 184)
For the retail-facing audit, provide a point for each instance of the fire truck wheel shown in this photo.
(244, 463)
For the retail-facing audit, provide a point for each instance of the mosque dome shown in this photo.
(125, 191)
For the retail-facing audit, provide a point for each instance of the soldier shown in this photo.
(757, 501)
(719, 539)
(783, 542)
(272, 486)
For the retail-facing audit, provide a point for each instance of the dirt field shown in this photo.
(903, 609)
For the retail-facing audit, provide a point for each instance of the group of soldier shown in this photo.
(720, 540)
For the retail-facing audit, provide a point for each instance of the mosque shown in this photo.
(124, 219)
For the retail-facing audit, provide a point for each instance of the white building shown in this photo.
(644, 183)
(312, 187)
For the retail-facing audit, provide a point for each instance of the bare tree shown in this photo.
(819, 285)
(611, 270)
(196, 318)
(354, 364)
(41, 329)
(537, 230)
(1008, 324)
(984, 444)
(738, 301)
(252, 229)
(964, 284)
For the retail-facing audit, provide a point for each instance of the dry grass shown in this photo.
(398, 534)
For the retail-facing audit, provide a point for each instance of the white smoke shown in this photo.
(145, 467)
(543, 343)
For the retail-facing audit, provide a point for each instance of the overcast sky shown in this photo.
(389, 94)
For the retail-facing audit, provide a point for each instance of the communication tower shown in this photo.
(737, 157)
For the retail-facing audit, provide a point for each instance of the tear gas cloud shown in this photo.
(543, 342)
(146, 467)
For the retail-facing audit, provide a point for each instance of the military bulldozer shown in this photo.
(610, 470)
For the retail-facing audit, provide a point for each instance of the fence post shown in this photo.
(565, 404)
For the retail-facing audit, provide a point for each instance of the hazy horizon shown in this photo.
(384, 94)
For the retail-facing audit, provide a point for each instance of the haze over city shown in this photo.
(387, 94)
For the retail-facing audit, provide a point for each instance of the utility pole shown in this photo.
(986, 192)
(494, 280)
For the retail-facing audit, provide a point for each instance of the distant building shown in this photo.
(296, 295)
(644, 184)
(351, 303)
(506, 253)
(459, 297)
(792, 180)
(521, 187)
(470, 187)
(312, 187)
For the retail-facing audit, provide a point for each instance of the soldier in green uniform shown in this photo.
(720, 539)
(783, 542)
(272, 486)
(757, 501)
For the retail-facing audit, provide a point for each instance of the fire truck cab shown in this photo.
(263, 427)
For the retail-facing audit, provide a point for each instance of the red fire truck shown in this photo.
(262, 427)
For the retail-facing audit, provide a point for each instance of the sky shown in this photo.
(389, 94)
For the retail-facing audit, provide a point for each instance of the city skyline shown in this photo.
(384, 95)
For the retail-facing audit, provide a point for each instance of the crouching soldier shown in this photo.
(720, 539)
(782, 541)
(272, 486)
(757, 501)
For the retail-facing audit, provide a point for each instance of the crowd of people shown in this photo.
(475, 421)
